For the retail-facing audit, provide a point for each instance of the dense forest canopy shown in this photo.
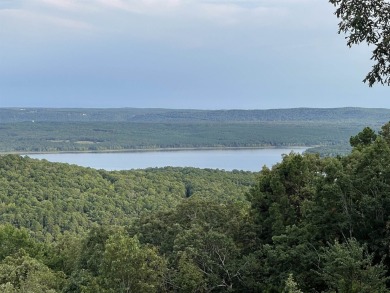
(308, 224)
(50, 199)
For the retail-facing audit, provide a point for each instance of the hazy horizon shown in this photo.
(195, 109)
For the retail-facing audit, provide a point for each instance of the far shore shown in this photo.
(155, 150)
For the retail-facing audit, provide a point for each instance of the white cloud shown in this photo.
(219, 12)
(147, 7)
(186, 23)
(62, 4)
(234, 14)
(28, 20)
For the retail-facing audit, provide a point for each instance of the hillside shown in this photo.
(351, 115)
(78, 130)
(51, 198)
(109, 136)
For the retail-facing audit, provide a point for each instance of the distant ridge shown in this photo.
(155, 115)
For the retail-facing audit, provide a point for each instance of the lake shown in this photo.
(240, 159)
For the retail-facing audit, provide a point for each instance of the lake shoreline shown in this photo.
(154, 150)
(248, 159)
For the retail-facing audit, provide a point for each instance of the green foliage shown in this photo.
(291, 286)
(50, 199)
(28, 137)
(279, 196)
(348, 268)
(129, 267)
(385, 132)
(93, 248)
(71, 229)
(90, 130)
(65, 253)
(330, 150)
(214, 254)
(13, 239)
(344, 197)
(188, 278)
(368, 21)
(21, 273)
(204, 233)
(363, 138)
(134, 115)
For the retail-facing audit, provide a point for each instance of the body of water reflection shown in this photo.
(241, 159)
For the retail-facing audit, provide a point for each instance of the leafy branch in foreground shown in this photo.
(368, 21)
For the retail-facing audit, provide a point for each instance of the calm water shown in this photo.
(248, 159)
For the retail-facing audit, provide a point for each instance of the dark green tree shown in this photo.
(368, 196)
(279, 196)
(385, 132)
(88, 257)
(363, 138)
(348, 268)
(213, 254)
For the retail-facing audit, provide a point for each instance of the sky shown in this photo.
(204, 54)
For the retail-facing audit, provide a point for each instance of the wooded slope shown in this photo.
(368, 116)
(56, 130)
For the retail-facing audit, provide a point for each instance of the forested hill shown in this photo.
(368, 115)
(50, 198)
(89, 130)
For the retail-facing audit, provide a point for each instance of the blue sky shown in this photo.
(237, 54)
